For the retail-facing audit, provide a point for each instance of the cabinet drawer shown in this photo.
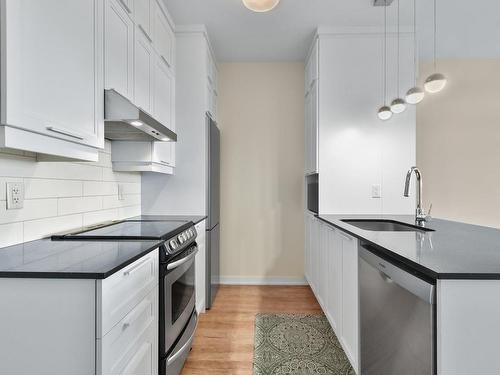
(125, 289)
(131, 347)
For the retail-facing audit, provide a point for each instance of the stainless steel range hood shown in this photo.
(124, 121)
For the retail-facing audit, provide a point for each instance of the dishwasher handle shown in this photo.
(395, 275)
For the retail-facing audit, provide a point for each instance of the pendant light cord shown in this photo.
(415, 44)
(398, 47)
(435, 35)
(385, 53)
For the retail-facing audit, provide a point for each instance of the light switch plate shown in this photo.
(376, 191)
(15, 195)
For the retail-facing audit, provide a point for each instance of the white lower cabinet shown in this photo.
(332, 271)
(127, 343)
(200, 273)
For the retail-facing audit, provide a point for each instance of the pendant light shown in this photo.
(415, 95)
(436, 81)
(384, 113)
(261, 6)
(398, 105)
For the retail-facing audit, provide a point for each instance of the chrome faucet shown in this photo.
(420, 216)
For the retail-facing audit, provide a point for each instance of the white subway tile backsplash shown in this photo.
(62, 196)
(91, 188)
(11, 234)
(96, 217)
(68, 206)
(36, 229)
(36, 188)
(33, 209)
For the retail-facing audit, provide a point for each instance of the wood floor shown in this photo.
(225, 335)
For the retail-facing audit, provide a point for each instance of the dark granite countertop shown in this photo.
(71, 259)
(194, 218)
(452, 251)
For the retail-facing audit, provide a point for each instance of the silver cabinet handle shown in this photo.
(165, 162)
(65, 132)
(345, 236)
(135, 268)
(165, 60)
(145, 33)
(180, 262)
(124, 4)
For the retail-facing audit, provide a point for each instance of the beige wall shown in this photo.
(458, 143)
(261, 116)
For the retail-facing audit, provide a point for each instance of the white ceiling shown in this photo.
(285, 33)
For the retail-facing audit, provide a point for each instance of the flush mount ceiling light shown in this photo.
(398, 105)
(384, 113)
(261, 6)
(415, 95)
(437, 81)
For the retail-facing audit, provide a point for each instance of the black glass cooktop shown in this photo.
(129, 230)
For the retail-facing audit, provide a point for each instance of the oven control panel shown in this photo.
(180, 241)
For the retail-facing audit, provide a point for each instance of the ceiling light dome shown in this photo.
(261, 5)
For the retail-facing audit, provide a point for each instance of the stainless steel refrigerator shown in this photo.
(213, 209)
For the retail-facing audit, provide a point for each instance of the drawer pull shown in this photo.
(124, 4)
(135, 268)
(64, 132)
(125, 326)
(165, 162)
(145, 33)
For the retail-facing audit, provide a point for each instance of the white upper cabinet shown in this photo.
(312, 67)
(163, 93)
(119, 49)
(164, 38)
(143, 72)
(52, 76)
(143, 10)
(211, 69)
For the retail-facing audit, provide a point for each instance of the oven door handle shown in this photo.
(184, 347)
(180, 262)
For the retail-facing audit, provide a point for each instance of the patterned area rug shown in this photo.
(297, 345)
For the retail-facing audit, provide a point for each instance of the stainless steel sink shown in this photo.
(378, 225)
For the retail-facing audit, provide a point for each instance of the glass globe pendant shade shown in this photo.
(384, 113)
(261, 5)
(398, 106)
(435, 83)
(415, 95)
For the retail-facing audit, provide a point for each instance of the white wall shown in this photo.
(261, 117)
(356, 149)
(62, 196)
(458, 137)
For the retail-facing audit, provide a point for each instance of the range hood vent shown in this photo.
(124, 121)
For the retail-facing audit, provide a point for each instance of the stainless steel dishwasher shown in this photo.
(397, 315)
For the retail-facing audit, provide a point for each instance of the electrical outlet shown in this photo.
(120, 192)
(15, 195)
(376, 191)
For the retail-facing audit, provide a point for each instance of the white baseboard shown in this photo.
(234, 280)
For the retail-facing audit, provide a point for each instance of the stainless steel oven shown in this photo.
(178, 318)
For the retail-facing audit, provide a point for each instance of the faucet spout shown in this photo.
(420, 215)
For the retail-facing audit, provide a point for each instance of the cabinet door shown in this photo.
(119, 49)
(307, 134)
(52, 62)
(163, 93)
(314, 255)
(350, 308)
(334, 303)
(143, 72)
(323, 265)
(163, 153)
(164, 36)
(313, 138)
(307, 248)
(143, 17)
(200, 266)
